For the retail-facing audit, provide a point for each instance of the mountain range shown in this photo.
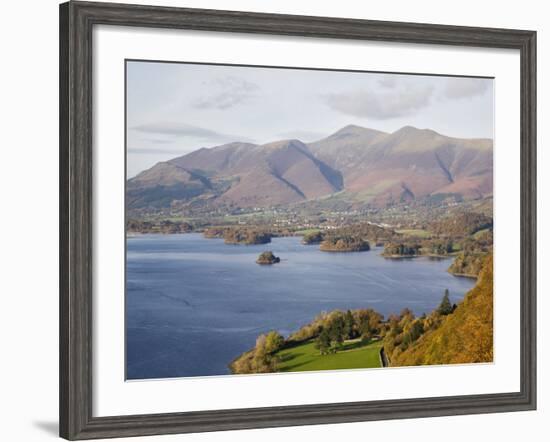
(363, 165)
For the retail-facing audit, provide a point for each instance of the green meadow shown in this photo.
(420, 233)
(353, 354)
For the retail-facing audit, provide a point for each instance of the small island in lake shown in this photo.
(344, 244)
(267, 258)
(164, 226)
(214, 232)
(314, 237)
(245, 236)
(401, 250)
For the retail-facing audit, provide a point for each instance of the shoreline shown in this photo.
(430, 255)
(463, 275)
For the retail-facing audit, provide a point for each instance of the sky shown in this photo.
(176, 108)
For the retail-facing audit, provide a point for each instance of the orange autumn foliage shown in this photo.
(465, 336)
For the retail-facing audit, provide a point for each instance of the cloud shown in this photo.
(153, 151)
(176, 129)
(181, 130)
(227, 92)
(381, 105)
(457, 88)
(159, 140)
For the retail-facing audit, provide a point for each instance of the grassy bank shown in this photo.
(419, 233)
(353, 354)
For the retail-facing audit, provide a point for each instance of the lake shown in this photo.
(194, 304)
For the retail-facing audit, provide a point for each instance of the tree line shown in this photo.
(164, 226)
(330, 330)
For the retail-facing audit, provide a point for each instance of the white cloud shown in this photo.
(182, 130)
(153, 151)
(457, 88)
(226, 92)
(382, 105)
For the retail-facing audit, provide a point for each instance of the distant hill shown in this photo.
(408, 164)
(367, 165)
(465, 336)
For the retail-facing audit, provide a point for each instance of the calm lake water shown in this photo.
(194, 304)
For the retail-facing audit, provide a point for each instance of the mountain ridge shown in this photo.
(368, 165)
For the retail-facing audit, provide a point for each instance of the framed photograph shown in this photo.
(271, 220)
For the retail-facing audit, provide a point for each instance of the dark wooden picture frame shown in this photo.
(77, 20)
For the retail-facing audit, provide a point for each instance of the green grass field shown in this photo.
(306, 231)
(420, 233)
(354, 354)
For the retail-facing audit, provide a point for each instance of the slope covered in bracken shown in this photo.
(465, 336)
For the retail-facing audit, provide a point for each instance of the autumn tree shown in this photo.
(263, 360)
(273, 342)
(260, 359)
